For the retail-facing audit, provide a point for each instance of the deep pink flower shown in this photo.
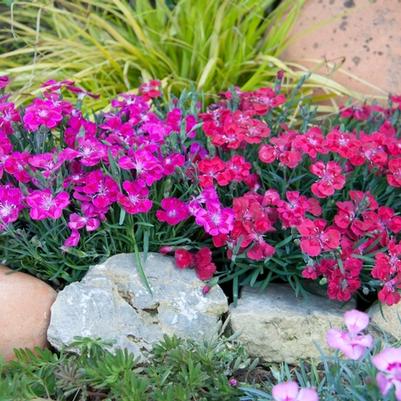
(4, 81)
(76, 222)
(16, 164)
(11, 199)
(215, 220)
(99, 189)
(73, 239)
(290, 391)
(388, 362)
(44, 205)
(8, 116)
(150, 90)
(175, 211)
(331, 178)
(147, 166)
(315, 237)
(171, 162)
(184, 259)
(91, 151)
(42, 112)
(352, 343)
(136, 200)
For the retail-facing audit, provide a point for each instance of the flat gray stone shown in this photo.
(113, 304)
(276, 326)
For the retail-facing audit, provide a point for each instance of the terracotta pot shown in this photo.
(340, 38)
(24, 311)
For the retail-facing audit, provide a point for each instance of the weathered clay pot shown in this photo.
(24, 311)
(360, 37)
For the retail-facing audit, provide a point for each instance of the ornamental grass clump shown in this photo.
(111, 46)
(253, 189)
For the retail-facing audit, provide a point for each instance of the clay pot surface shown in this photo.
(358, 37)
(25, 305)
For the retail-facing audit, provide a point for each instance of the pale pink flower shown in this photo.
(352, 343)
(290, 391)
(389, 363)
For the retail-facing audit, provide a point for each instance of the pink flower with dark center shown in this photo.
(44, 205)
(352, 343)
(388, 362)
(136, 200)
(290, 391)
(175, 211)
(42, 112)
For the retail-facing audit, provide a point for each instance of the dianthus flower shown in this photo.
(175, 211)
(44, 205)
(147, 166)
(387, 269)
(99, 189)
(344, 282)
(290, 391)
(331, 178)
(11, 199)
(388, 362)
(172, 161)
(311, 142)
(136, 200)
(8, 116)
(282, 149)
(316, 238)
(204, 267)
(42, 112)
(394, 172)
(4, 81)
(184, 259)
(352, 343)
(15, 164)
(260, 101)
(150, 90)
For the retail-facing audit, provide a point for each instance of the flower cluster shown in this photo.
(269, 198)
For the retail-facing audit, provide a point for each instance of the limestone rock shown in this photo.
(386, 319)
(112, 303)
(340, 38)
(24, 311)
(278, 327)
